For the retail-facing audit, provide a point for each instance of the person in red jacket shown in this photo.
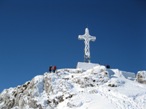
(54, 69)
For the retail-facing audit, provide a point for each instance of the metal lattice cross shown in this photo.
(87, 38)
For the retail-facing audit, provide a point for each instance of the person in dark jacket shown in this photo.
(50, 69)
(107, 66)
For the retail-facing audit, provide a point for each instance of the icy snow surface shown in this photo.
(95, 88)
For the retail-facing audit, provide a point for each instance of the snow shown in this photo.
(94, 88)
(38, 80)
(127, 75)
(86, 66)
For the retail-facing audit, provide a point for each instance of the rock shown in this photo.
(141, 77)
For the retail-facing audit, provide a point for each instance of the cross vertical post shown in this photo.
(87, 38)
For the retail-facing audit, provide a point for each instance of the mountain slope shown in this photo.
(96, 88)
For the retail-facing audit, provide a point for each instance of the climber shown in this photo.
(53, 69)
(107, 66)
(50, 68)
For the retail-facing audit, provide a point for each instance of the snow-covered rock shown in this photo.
(141, 77)
(94, 88)
(115, 82)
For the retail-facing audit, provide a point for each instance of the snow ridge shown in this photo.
(94, 88)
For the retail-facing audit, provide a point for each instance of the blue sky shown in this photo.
(35, 34)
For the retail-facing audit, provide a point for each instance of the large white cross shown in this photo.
(87, 38)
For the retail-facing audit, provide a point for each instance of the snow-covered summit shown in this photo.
(94, 88)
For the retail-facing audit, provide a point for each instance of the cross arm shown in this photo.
(81, 37)
(92, 38)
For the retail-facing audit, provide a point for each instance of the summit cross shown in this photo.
(87, 38)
